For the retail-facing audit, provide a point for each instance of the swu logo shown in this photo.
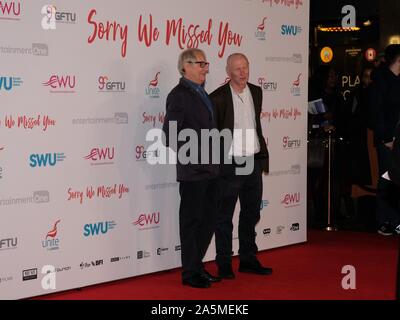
(94, 229)
(289, 30)
(43, 160)
(4, 85)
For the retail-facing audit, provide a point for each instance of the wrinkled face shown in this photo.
(196, 70)
(238, 70)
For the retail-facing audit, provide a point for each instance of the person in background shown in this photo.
(360, 168)
(385, 106)
(334, 121)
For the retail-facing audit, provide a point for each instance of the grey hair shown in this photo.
(188, 55)
(234, 55)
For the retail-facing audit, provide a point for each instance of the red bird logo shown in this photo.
(261, 26)
(154, 82)
(52, 233)
(297, 82)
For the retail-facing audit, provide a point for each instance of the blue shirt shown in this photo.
(202, 93)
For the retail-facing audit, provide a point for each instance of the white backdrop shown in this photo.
(81, 82)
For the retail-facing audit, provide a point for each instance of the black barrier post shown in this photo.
(330, 226)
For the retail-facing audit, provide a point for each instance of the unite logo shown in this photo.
(52, 243)
(291, 200)
(152, 89)
(290, 30)
(289, 143)
(7, 83)
(101, 156)
(106, 85)
(267, 85)
(95, 229)
(148, 221)
(260, 33)
(61, 84)
(296, 89)
(52, 16)
(10, 10)
(45, 159)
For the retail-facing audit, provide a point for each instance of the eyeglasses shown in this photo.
(202, 64)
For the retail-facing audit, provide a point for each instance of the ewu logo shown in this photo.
(95, 229)
(296, 90)
(290, 30)
(45, 159)
(7, 83)
(10, 10)
(107, 85)
(260, 33)
(52, 243)
(267, 85)
(61, 84)
(291, 200)
(152, 89)
(148, 221)
(101, 156)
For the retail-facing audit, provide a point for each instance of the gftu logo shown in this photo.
(45, 159)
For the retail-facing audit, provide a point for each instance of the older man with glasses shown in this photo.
(189, 107)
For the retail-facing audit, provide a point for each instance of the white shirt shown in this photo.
(245, 140)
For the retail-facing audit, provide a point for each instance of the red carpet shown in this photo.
(305, 271)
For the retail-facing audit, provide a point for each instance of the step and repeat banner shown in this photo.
(81, 83)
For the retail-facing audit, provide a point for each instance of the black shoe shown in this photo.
(225, 271)
(196, 281)
(254, 267)
(206, 275)
(385, 229)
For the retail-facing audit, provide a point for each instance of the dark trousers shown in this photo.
(249, 191)
(387, 196)
(197, 218)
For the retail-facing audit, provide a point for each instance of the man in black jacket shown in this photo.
(238, 106)
(189, 108)
(385, 105)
